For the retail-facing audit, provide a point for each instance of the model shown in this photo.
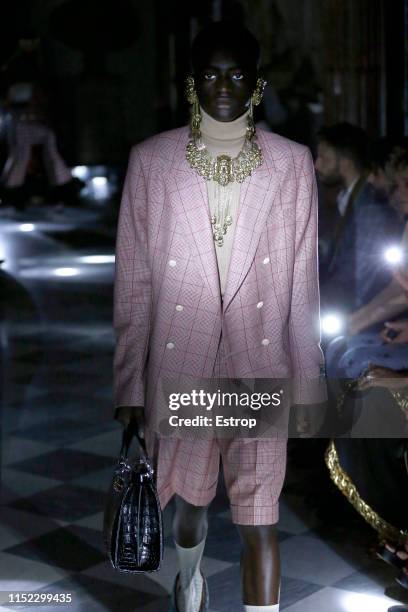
(216, 276)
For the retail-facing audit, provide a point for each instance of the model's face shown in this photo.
(327, 165)
(399, 191)
(225, 84)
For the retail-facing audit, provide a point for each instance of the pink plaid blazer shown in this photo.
(168, 313)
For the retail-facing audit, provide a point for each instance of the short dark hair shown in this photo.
(225, 35)
(399, 158)
(349, 141)
(381, 150)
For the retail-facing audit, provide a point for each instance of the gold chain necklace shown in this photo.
(224, 169)
(221, 218)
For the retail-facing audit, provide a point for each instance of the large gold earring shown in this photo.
(250, 130)
(258, 91)
(254, 101)
(192, 98)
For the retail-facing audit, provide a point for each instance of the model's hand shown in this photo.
(126, 414)
(399, 332)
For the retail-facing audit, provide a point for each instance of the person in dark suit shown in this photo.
(365, 225)
(363, 343)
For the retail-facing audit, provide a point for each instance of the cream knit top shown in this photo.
(222, 137)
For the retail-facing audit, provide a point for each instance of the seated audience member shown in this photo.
(27, 131)
(372, 472)
(365, 225)
(349, 355)
(392, 300)
(380, 154)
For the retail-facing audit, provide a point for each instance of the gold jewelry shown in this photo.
(221, 218)
(258, 91)
(192, 98)
(255, 100)
(401, 401)
(250, 131)
(343, 482)
(223, 169)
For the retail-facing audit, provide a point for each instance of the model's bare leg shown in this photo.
(189, 523)
(260, 567)
(189, 531)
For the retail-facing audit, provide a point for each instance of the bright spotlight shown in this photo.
(394, 255)
(331, 324)
(26, 227)
(100, 187)
(66, 271)
(80, 172)
(98, 259)
(99, 181)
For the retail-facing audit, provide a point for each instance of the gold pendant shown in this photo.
(224, 169)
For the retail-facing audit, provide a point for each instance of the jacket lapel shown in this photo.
(257, 195)
(190, 201)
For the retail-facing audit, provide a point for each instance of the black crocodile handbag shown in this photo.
(132, 525)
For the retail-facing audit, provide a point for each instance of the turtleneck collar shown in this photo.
(223, 136)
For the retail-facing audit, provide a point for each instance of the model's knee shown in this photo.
(258, 537)
(189, 512)
(189, 518)
(189, 523)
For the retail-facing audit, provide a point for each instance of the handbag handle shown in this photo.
(130, 432)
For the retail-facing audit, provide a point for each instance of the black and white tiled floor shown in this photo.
(59, 444)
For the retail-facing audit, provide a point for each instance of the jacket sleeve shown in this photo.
(304, 322)
(132, 289)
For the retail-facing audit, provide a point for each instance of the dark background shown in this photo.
(113, 70)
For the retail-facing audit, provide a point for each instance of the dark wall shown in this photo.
(114, 70)
(100, 73)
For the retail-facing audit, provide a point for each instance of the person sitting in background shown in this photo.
(372, 471)
(392, 300)
(27, 132)
(364, 224)
(380, 154)
(34, 167)
(369, 326)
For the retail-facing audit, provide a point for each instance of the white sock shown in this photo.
(191, 581)
(274, 608)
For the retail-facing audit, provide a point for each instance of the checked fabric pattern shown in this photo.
(167, 299)
(59, 445)
(168, 313)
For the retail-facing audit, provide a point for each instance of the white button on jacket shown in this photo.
(170, 345)
(179, 307)
(265, 341)
(266, 260)
(172, 263)
(259, 305)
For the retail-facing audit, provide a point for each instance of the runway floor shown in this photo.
(59, 443)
